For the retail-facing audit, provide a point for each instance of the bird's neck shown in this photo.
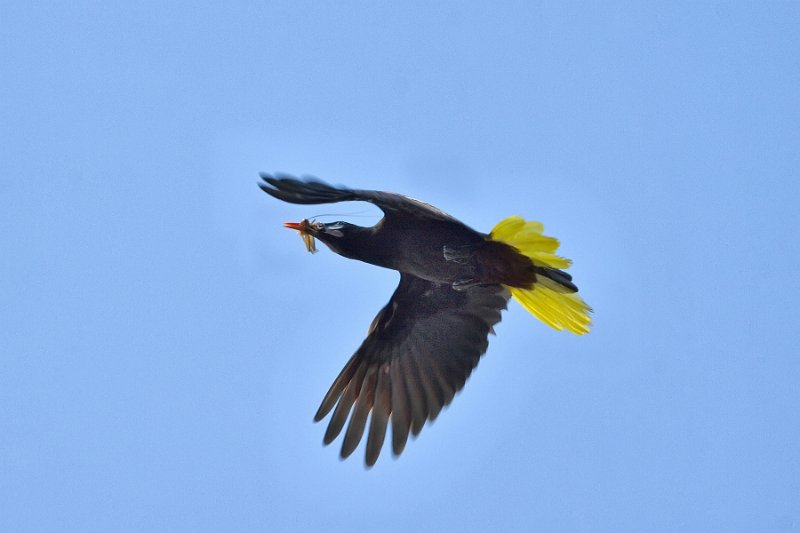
(363, 244)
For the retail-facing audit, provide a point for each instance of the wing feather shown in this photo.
(401, 417)
(417, 395)
(337, 388)
(419, 352)
(358, 420)
(313, 191)
(380, 415)
(342, 410)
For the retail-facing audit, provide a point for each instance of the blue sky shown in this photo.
(165, 343)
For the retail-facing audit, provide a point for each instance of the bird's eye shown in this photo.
(334, 229)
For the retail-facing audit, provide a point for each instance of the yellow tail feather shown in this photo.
(546, 300)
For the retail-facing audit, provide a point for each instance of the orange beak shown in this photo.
(299, 226)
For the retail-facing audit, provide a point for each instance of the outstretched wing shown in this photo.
(313, 191)
(419, 352)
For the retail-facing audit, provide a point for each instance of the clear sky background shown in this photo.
(164, 343)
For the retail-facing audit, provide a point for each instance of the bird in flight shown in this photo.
(454, 283)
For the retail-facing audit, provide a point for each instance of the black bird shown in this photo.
(454, 282)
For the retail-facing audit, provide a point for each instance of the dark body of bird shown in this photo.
(423, 345)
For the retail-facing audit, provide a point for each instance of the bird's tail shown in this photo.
(553, 298)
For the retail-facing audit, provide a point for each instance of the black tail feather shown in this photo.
(559, 276)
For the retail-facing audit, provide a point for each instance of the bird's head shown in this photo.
(336, 235)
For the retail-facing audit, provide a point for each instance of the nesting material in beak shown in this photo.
(305, 229)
